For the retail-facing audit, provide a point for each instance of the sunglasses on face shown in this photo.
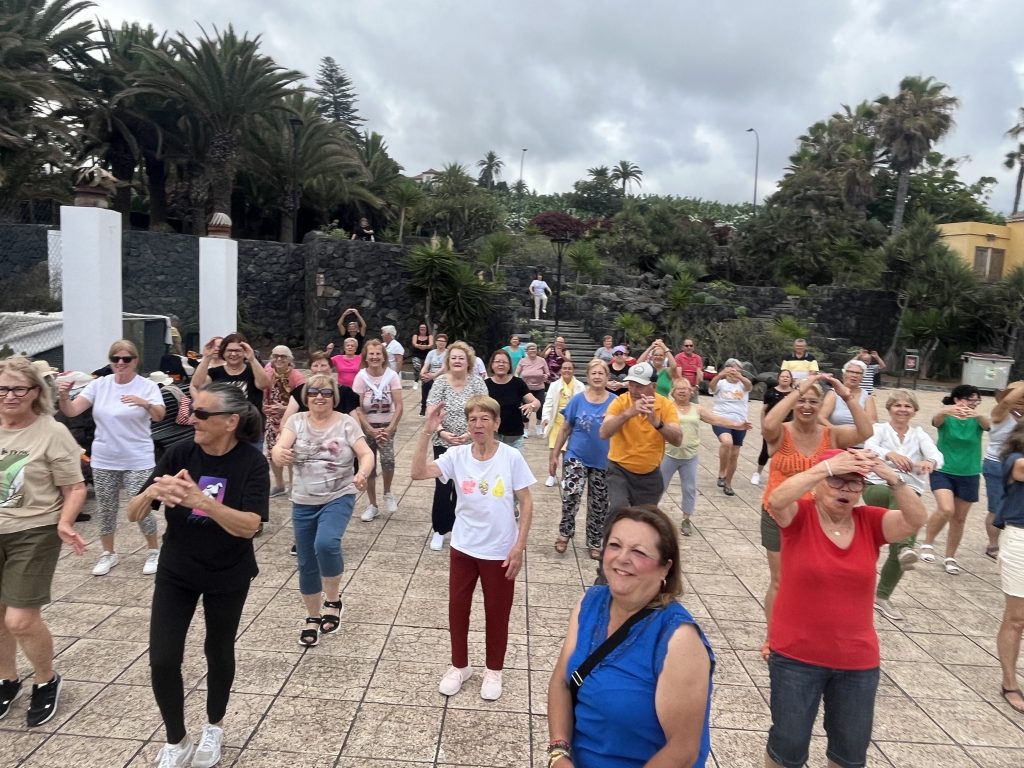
(850, 484)
(202, 414)
(689, 346)
(16, 391)
(616, 354)
(121, 358)
(328, 393)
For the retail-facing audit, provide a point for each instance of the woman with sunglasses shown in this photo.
(215, 490)
(955, 486)
(320, 445)
(124, 405)
(617, 371)
(821, 632)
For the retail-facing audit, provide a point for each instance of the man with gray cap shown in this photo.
(637, 426)
(395, 350)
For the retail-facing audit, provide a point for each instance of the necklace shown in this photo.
(829, 523)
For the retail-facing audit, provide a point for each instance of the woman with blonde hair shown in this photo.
(452, 390)
(284, 379)
(559, 393)
(124, 405)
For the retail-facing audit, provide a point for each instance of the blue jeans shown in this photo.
(797, 691)
(993, 473)
(318, 532)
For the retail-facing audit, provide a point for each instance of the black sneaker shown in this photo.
(10, 690)
(43, 705)
(294, 552)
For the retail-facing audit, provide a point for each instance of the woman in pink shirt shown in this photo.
(533, 369)
(348, 364)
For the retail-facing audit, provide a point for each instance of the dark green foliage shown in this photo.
(336, 96)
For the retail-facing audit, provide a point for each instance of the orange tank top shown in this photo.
(788, 461)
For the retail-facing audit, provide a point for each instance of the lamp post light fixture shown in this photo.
(296, 125)
(522, 159)
(559, 244)
(757, 159)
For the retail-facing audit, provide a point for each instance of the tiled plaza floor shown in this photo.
(368, 696)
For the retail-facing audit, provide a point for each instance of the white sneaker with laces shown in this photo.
(175, 755)
(887, 609)
(490, 689)
(437, 541)
(551, 481)
(152, 560)
(107, 561)
(755, 479)
(540, 431)
(208, 752)
(908, 559)
(369, 513)
(453, 679)
(389, 503)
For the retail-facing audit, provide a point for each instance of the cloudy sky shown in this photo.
(671, 85)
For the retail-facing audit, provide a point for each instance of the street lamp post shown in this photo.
(757, 159)
(559, 243)
(296, 124)
(522, 159)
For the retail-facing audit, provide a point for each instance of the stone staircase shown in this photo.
(787, 307)
(578, 341)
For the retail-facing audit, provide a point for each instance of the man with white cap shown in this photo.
(637, 425)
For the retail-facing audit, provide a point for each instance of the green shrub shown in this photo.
(792, 289)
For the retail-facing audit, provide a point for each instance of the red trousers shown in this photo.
(463, 573)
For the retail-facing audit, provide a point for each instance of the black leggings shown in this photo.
(173, 609)
(425, 385)
(539, 394)
(442, 513)
(763, 457)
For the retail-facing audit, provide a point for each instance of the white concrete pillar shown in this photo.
(218, 287)
(91, 278)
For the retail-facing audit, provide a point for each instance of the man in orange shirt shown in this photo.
(637, 426)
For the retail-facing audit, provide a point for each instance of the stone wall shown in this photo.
(866, 317)
(160, 276)
(22, 246)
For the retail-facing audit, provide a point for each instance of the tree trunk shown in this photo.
(122, 165)
(287, 232)
(1020, 183)
(901, 202)
(890, 355)
(156, 182)
(401, 227)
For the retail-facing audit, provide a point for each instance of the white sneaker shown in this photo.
(551, 482)
(107, 561)
(389, 503)
(208, 752)
(174, 756)
(887, 609)
(437, 541)
(908, 559)
(152, 560)
(540, 431)
(755, 479)
(490, 689)
(369, 513)
(453, 679)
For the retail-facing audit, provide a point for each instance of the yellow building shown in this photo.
(992, 250)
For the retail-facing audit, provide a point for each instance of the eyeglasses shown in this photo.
(849, 484)
(618, 353)
(280, 356)
(328, 393)
(202, 414)
(687, 345)
(234, 351)
(121, 358)
(972, 400)
(16, 391)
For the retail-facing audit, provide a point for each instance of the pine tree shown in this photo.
(337, 96)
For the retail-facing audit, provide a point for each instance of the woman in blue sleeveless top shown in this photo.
(650, 695)
(1010, 519)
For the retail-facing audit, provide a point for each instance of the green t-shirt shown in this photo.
(664, 383)
(960, 444)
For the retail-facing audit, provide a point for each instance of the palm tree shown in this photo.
(1013, 160)
(490, 169)
(221, 84)
(383, 172)
(452, 181)
(405, 195)
(626, 173)
(599, 172)
(909, 124)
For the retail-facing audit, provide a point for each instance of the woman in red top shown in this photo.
(821, 631)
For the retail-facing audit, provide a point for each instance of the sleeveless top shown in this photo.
(997, 435)
(690, 424)
(616, 725)
(841, 415)
(1011, 511)
(421, 353)
(788, 461)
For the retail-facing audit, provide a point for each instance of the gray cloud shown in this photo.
(670, 86)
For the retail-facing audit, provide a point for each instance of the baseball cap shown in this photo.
(619, 348)
(641, 373)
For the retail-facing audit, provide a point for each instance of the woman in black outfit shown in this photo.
(215, 490)
(772, 397)
(513, 396)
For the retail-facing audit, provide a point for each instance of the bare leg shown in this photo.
(774, 573)
(26, 626)
(992, 531)
(388, 475)
(278, 473)
(107, 542)
(943, 512)
(724, 452)
(371, 491)
(730, 471)
(956, 526)
(1008, 643)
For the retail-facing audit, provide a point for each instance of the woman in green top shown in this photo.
(663, 363)
(955, 486)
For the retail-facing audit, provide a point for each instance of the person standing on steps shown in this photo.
(539, 291)
(801, 363)
(604, 352)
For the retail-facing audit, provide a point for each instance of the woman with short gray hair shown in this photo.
(835, 411)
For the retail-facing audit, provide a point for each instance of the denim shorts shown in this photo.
(798, 690)
(994, 490)
(738, 435)
(964, 487)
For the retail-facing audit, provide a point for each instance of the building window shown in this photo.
(988, 263)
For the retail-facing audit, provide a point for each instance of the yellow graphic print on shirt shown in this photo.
(499, 489)
(470, 486)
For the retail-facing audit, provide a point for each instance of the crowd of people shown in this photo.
(633, 682)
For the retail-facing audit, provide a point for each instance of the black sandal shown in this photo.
(329, 622)
(310, 637)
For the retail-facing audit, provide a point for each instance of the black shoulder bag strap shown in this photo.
(601, 651)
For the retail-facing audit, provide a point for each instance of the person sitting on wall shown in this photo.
(363, 231)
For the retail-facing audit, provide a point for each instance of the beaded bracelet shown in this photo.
(559, 743)
(556, 754)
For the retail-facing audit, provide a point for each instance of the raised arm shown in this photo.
(783, 499)
(863, 427)
(202, 374)
(909, 515)
(422, 467)
(71, 408)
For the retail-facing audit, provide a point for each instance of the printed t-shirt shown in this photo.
(377, 396)
(638, 447)
(960, 444)
(34, 462)
(585, 443)
(731, 400)
(323, 468)
(824, 610)
(485, 522)
(510, 397)
(123, 438)
(346, 368)
(245, 380)
(197, 553)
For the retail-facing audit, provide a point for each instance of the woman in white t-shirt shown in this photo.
(123, 406)
(540, 291)
(731, 390)
(380, 399)
(487, 543)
